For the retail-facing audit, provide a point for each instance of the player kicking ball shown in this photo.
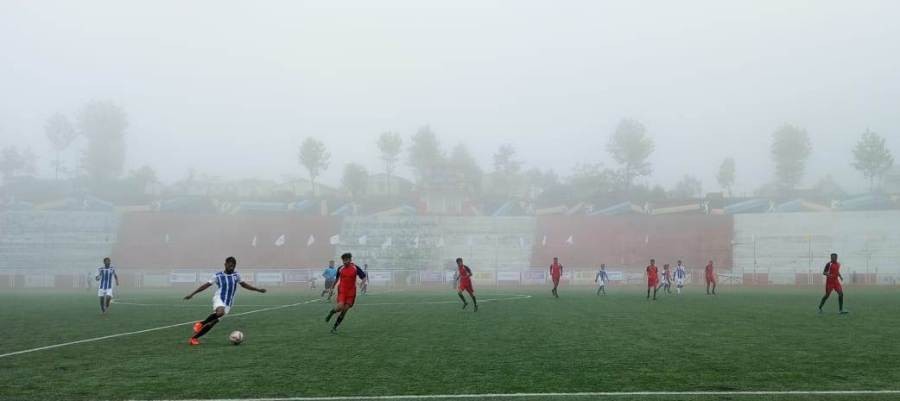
(833, 280)
(106, 275)
(227, 282)
(464, 283)
(346, 289)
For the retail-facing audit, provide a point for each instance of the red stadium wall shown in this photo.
(631, 241)
(170, 240)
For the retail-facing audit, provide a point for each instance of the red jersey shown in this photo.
(556, 270)
(709, 269)
(347, 275)
(833, 271)
(465, 274)
(652, 273)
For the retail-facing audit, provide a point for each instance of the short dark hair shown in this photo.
(458, 260)
(346, 256)
(833, 255)
(231, 259)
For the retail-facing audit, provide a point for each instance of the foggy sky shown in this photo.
(232, 88)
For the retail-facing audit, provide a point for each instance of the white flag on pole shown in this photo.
(571, 240)
(166, 238)
(416, 242)
(253, 243)
(280, 241)
(440, 243)
(544, 241)
(335, 239)
(311, 240)
(521, 242)
(387, 243)
(363, 240)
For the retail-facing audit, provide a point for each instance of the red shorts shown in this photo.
(653, 282)
(466, 285)
(346, 297)
(555, 280)
(710, 278)
(833, 286)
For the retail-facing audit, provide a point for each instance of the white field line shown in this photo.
(131, 333)
(565, 395)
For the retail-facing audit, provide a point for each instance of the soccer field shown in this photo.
(397, 343)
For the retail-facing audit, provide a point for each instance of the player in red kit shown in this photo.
(652, 278)
(710, 278)
(464, 283)
(555, 274)
(833, 280)
(346, 287)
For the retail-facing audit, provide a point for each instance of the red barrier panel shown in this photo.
(631, 241)
(171, 240)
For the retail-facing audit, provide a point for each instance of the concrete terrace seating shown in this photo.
(56, 240)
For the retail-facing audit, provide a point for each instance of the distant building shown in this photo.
(443, 191)
(381, 185)
(892, 181)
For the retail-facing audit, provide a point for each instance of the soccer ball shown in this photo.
(236, 337)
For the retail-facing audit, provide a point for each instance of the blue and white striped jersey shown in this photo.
(106, 275)
(227, 284)
(680, 271)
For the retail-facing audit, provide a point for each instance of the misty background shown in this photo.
(232, 89)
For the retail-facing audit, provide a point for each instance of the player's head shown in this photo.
(666, 266)
(834, 257)
(106, 262)
(555, 259)
(679, 263)
(603, 266)
(346, 258)
(710, 262)
(230, 264)
(459, 261)
(330, 263)
(652, 261)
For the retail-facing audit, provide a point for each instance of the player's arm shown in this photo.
(116, 276)
(468, 270)
(252, 288)
(597, 279)
(825, 270)
(198, 290)
(361, 274)
(97, 277)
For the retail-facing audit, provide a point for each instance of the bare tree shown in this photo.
(390, 145)
(872, 157)
(355, 180)
(630, 146)
(726, 174)
(424, 152)
(61, 134)
(790, 150)
(103, 124)
(315, 158)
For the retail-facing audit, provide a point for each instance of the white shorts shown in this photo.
(601, 283)
(679, 282)
(217, 302)
(104, 293)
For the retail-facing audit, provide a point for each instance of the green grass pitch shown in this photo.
(421, 343)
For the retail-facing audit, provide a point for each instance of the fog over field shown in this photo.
(231, 89)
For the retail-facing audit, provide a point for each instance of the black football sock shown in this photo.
(841, 302)
(206, 328)
(473, 300)
(339, 319)
(822, 303)
(209, 318)
(461, 297)
(102, 305)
